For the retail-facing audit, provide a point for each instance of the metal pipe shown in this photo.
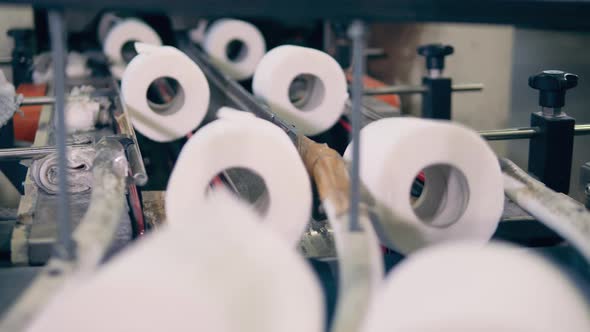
(411, 89)
(57, 32)
(32, 152)
(356, 32)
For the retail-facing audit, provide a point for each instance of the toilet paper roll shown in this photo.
(462, 198)
(247, 142)
(466, 287)
(225, 275)
(225, 31)
(186, 110)
(124, 31)
(320, 92)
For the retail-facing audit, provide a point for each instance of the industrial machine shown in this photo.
(90, 191)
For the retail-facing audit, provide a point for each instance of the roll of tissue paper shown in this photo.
(463, 195)
(465, 287)
(304, 86)
(239, 139)
(225, 33)
(188, 107)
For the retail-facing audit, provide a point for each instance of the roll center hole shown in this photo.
(246, 184)
(165, 95)
(306, 92)
(236, 50)
(439, 195)
(128, 51)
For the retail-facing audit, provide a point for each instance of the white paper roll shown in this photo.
(465, 287)
(218, 38)
(124, 31)
(225, 275)
(323, 87)
(247, 142)
(462, 198)
(189, 106)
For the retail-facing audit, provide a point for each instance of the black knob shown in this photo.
(435, 55)
(20, 33)
(22, 55)
(552, 85)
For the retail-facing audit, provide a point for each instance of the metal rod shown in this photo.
(375, 52)
(5, 61)
(467, 87)
(327, 37)
(49, 100)
(34, 101)
(356, 32)
(65, 246)
(511, 133)
(583, 129)
(526, 132)
(411, 89)
(32, 152)
(395, 89)
(125, 128)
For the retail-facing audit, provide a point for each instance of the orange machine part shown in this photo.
(372, 83)
(25, 124)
